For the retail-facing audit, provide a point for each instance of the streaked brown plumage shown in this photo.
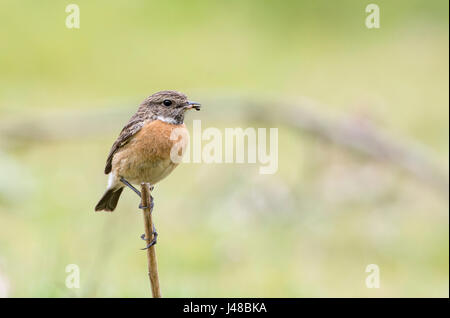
(141, 153)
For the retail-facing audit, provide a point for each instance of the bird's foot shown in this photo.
(152, 241)
(147, 207)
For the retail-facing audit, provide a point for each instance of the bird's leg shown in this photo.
(125, 182)
(152, 241)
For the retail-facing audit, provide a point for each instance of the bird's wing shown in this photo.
(130, 129)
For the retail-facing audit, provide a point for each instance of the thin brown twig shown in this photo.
(151, 252)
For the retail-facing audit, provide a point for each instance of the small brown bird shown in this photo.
(141, 153)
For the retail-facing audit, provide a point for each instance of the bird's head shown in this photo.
(170, 106)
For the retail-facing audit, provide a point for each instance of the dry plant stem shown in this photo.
(151, 252)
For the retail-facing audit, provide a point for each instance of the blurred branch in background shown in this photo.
(359, 135)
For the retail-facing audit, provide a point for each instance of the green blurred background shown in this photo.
(309, 230)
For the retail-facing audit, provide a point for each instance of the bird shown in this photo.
(142, 151)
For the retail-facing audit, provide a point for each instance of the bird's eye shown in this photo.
(167, 102)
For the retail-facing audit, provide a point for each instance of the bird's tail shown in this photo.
(109, 200)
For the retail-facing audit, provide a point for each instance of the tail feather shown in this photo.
(109, 200)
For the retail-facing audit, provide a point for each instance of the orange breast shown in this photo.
(147, 154)
(154, 138)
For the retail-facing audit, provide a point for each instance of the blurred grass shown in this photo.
(309, 230)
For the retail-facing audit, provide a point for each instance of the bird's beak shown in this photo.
(194, 105)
